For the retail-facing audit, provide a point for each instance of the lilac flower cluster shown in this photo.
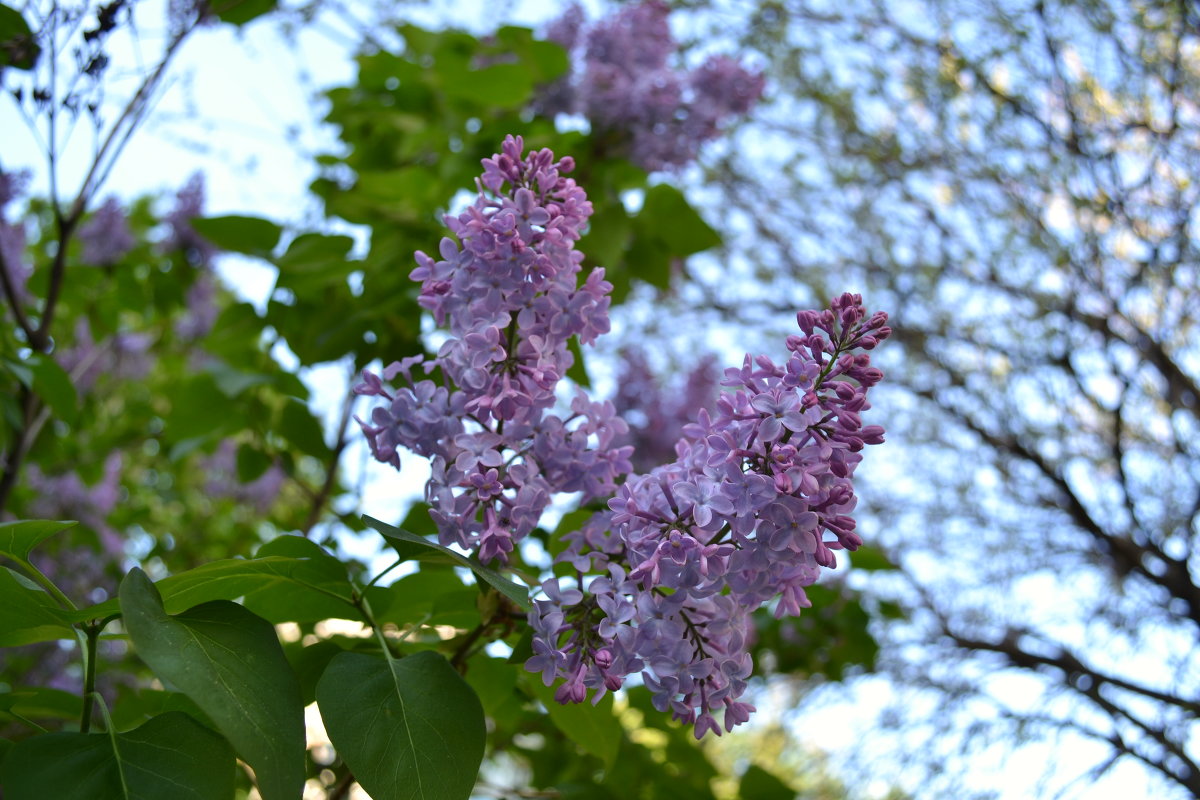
(628, 90)
(509, 294)
(106, 237)
(66, 496)
(656, 412)
(125, 356)
(189, 203)
(756, 503)
(12, 235)
(222, 480)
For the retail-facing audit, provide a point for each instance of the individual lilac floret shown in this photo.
(628, 90)
(756, 503)
(508, 292)
(106, 237)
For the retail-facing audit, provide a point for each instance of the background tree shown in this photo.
(1017, 180)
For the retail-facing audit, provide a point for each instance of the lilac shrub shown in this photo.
(756, 501)
(629, 91)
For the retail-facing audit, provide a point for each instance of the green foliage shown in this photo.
(594, 728)
(409, 728)
(18, 538)
(229, 663)
(170, 756)
(409, 545)
(27, 613)
(18, 47)
(758, 784)
(240, 234)
(240, 12)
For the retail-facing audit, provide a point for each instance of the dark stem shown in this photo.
(89, 677)
(16, 450)
(343, 439)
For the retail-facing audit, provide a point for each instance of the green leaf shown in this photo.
(313, 591)
(239, 12)
(434, 595)
(259, 581)
(251, 463)
(313, 260)
(594, 728)
(52, 384)
(409, 729)
(870, 558)
(667, 215)
(17, 539)
(18, 46)
(199, 410)
(493, 679)
(578, 369)
(410, 545)
(251, 235)
(301, 428)
(171, 756)
(230, 663)
(498, 86)
(28, 614)
(758, 784)
(39, 703)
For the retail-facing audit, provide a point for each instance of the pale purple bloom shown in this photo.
(628, 89)
(106, 237)
(669, 575)
(189, 204)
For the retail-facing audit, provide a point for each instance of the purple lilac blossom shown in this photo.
(66, 496)
(201, 309)
(12, 186)
(756, 501)
(12, 235)
(656, 412)
(106, 236)
(508, 291)
(629, 92)
(221, 470)
(189, 203)
(124, 356)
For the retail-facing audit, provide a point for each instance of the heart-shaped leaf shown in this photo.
(230, 663)
(409, 729)
(171, 756)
